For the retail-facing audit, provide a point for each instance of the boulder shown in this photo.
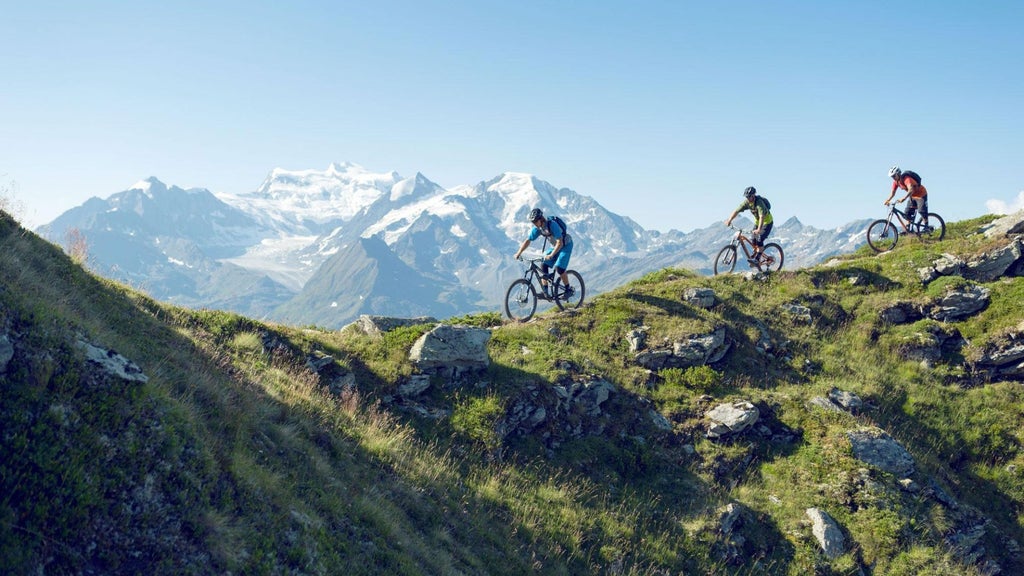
(875, 447)
(733, 418)
(451, 350)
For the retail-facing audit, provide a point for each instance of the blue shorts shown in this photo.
(562, 260)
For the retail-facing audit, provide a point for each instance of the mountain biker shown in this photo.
(561, 246)
(910, 182)
(762, 218)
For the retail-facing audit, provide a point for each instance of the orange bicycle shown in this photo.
(769, 260)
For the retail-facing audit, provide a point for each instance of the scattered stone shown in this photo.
(113, 363)
(728, 419)
(827, 532)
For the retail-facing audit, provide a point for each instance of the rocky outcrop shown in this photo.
(1001, 359)
(377, 325)
(695, 350)
(959, 303)
(994, 263)
(1009, 225)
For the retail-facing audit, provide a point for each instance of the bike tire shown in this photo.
(933, 229)
(882, 236)
(520, 301)
(771, 258)
(725, 262)
(579, 290)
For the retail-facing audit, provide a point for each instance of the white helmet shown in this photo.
(895, 172)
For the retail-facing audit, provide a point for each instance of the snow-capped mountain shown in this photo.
(322, 247)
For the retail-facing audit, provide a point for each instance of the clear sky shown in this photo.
(662, 111)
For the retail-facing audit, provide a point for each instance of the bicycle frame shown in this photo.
(521, 297)
(769, 258)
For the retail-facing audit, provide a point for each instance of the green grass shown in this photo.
(236, 457)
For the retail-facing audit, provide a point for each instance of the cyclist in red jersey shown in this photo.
(909, 182)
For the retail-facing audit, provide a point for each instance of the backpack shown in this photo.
(561, 223)
(765, 202)
(913, 175)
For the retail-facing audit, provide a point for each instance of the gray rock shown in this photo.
(733, 418)
(699, 297)
(451, 349)
(416, 384)
(637, 338)
(948, 265)
(113, 363)
(960, 303)
(798, 312)
(993, 264)
(1006, 226)
(827, 532)
(376, 325)
(875, 447)
(846, 400)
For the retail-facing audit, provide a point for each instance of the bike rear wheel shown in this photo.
(570, 296)
(883, 236)
(725, 262)
(933, 229)
(520, 301)
(771, 258)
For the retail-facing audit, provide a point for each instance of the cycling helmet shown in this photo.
(536, 214)
(749, 192)
(895, 172)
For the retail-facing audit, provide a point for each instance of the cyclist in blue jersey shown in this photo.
(561, 246)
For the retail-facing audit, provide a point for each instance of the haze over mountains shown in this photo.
(321, 247)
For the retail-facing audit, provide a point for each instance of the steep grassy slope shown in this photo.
(236, 456)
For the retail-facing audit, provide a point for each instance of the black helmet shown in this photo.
(536, 214)
(750, 191)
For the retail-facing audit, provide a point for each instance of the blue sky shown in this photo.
(662, 111)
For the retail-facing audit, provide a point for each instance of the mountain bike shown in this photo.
(522, 296)
(769, 260)
(883, 234)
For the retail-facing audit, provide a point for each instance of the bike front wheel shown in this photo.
(932, 229)
(725, 262)
(771, 258)
(570, 296)
(520, 301)
(883, 236)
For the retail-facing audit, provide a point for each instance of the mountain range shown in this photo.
(322, 247)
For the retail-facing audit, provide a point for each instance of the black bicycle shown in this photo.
(883, 234)
(522, 296)
(769, 260)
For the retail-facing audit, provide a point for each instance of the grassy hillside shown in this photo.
(237, 456)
